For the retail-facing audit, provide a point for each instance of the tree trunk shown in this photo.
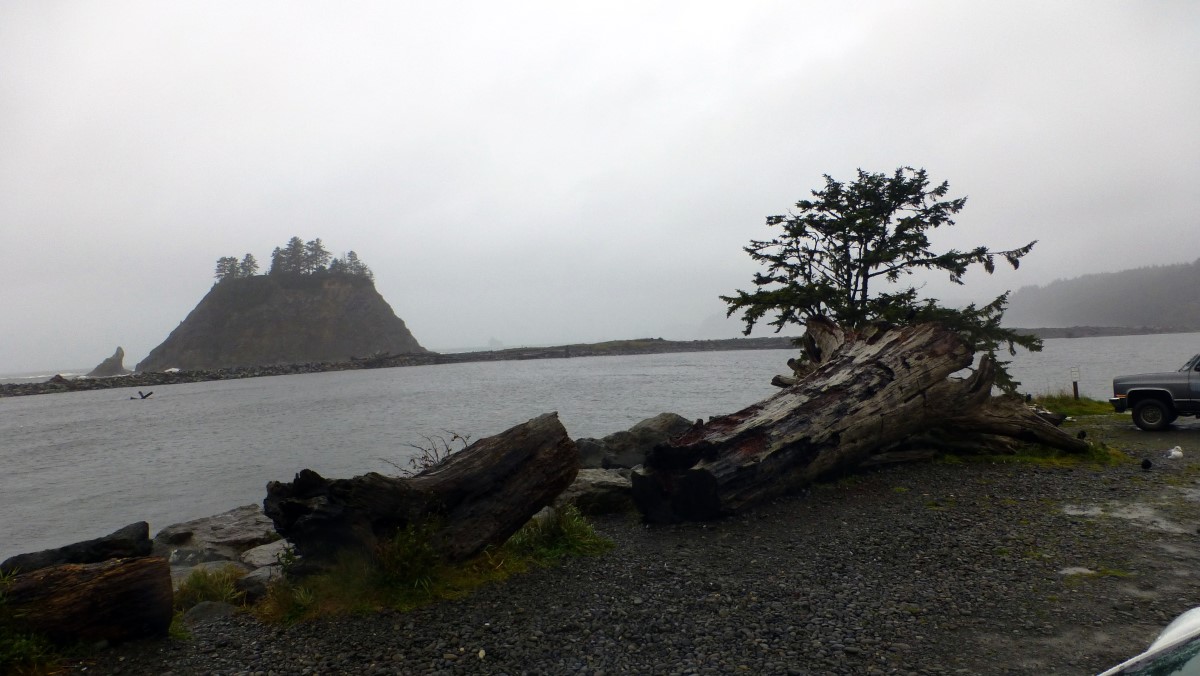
(869, 392)
(480, 496)
(115, 600)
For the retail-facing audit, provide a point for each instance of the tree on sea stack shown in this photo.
(843, 253)
(877, 381)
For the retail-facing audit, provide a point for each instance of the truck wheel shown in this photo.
(1151, 415)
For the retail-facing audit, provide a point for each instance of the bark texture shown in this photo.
(480, 496)
(115, 600)
(869, 393)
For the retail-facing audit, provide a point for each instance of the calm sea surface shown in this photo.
(80, 465)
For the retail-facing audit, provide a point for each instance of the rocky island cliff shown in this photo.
(284, 318)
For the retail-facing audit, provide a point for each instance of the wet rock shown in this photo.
(628, 448)
(265, 555)
(255, 583)
(130, 541)
(223, 537)
(599, 491)
(206, 612)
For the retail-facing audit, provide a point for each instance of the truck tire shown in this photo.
(1152, 415)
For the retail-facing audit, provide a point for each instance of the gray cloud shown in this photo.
(551, 172)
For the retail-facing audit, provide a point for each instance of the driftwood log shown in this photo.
(879, 391)
(114, 600)
(479, 496)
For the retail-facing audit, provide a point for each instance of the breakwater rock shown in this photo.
(59, 384)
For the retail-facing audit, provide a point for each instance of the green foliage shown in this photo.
(843, 254)
(408, 561)
(178, 630)
(287, 560)
(350, 264)
(248, 267)
(21, 652)
(563, 533)
(405, 571)
(210, 585)
(297, 257)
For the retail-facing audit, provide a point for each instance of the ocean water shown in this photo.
(82, 464)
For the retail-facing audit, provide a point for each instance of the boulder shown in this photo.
(629, 448)
(223, 537)
(206, 612)
(113, 366)
(599, 491)
(256, 583)
(131, 541)
(591, 452)
(265, 555)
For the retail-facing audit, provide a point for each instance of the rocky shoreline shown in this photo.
(59, 384)
(932, 568)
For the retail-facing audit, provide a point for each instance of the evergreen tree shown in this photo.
(248, 267)
(354, 266)
(841, 255)
(295, 256)
(315, 256)
(227, 268)
(278, 264)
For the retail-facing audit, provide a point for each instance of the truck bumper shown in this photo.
(1118, 403)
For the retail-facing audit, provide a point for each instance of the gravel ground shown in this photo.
(927, 568)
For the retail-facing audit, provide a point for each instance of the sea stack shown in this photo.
(113, 366)
(284, 319)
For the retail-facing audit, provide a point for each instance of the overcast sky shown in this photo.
(552, 172)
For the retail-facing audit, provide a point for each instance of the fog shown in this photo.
(548, 172)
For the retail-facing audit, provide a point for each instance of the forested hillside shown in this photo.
(1163, 296)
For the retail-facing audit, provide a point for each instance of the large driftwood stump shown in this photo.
(869, 393)
(115, 600)
(478, 497)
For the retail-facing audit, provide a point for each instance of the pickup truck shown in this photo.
(1157, 399)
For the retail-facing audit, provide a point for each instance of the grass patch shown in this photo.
(1065, 403)
(22, 652)
(1098, 454)
(406, 572)
(217, 585)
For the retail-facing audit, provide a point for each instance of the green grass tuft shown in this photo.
(210, 585)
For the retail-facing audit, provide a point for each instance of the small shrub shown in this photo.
(286, 602)
(408, 560)
(435, 451)
(564, 533)
(210, 585)
(287, 560)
